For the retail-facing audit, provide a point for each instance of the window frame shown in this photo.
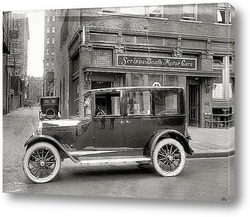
(195, 12)
(126, 103)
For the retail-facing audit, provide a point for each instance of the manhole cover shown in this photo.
(15, 187)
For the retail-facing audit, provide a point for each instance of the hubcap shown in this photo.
(42, 163)
(169, 157)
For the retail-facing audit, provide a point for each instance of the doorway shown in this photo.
(194, 105)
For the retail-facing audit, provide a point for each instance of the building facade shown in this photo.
(49, 52)
(191, 46)
(35, 89)
(6, 52)
(18, 60)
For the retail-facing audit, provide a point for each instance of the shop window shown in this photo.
(166, 102)
(108, 104)
(87, 106)
(138, 103)
(189, 12)
(152, 79)
(217, 91)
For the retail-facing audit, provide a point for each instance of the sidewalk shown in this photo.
(209, 142)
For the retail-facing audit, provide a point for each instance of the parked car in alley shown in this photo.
(118, 125)
(49, 108)
(27, 103)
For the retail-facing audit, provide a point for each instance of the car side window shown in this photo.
(108, 104)
(166, 102)
(138, 102)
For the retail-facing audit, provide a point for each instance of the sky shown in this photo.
(36, 43)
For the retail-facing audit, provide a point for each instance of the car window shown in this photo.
(108, 104)
(166, 102)
(138, 102)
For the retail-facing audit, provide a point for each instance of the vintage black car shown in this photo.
(49, 108)
(115, 125)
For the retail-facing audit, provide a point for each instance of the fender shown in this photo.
(148, 150)
(43, 138)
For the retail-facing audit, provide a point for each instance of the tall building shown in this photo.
(191, 46)
(49, 52)
(18, 59)
(6, 52)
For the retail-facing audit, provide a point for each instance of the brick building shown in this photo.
(179, 45)
(6, 52)
(17, 60)
(49, 52)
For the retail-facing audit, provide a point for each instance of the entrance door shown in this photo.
(194, 104)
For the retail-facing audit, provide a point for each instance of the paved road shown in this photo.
(201, 179)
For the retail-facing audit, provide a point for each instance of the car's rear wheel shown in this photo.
(169, 157)
(41, 162)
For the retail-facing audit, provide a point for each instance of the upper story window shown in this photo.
(190, 12)
(150, 11)
(155, 11)
(224, 13)
(53, 40)
(53, 29)
(47, 29)
(133, 10)
(48, 18)
(47, 51)
(53, 18)
(218, 60)
(47, 40)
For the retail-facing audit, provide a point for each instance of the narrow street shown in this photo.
(201, 179)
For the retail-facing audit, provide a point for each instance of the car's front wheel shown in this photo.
(41, 162)
(169, 157)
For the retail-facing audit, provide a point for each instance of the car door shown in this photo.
(109, 122)
(138, 126)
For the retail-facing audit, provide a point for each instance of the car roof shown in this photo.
(135, 87)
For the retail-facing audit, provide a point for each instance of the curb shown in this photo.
(209, 154)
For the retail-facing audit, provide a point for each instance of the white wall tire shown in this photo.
(41, 162)
(169, 157)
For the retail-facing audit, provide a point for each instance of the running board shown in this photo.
(115, 160)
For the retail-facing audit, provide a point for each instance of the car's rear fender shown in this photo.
(163, 134)
(52, 141)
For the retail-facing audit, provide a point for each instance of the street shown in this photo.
(201, 179)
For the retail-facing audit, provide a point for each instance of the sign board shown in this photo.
(163, 62)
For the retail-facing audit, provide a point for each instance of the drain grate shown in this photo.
(15, 187)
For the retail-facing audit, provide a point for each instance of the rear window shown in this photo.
(166, 102)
